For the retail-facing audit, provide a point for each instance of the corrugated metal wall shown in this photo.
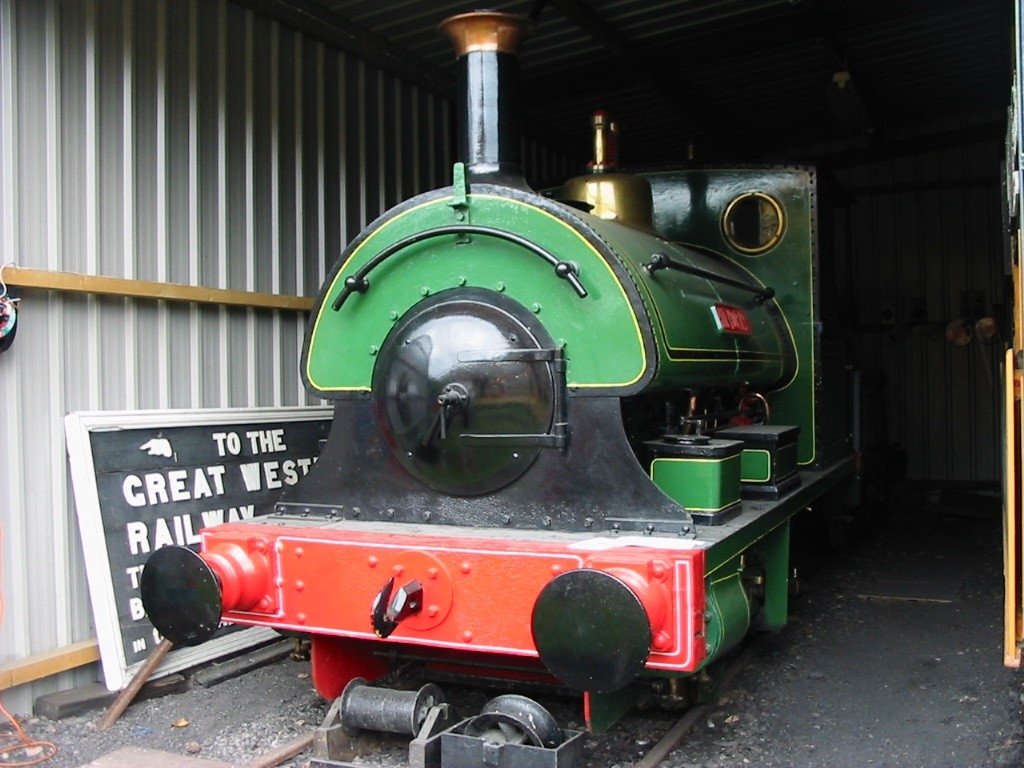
(925, 234)
(192, 142)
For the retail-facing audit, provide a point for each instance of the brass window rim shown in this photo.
(776, 236)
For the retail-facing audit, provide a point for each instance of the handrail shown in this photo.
(359, 282)
(662, 261)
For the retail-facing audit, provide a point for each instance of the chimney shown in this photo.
(487, 47)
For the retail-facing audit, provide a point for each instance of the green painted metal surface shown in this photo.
(692, 350)
(344, 343)
(601, 332)
(728, 612)
(755, 465)
(688, 208)
(607, 708)
(706, 485)
(773, 554)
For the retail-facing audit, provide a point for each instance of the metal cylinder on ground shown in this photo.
(366, 707)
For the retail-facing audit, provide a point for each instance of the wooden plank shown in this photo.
(238, 666)
(74, 282)
(49, 663)
(133, 757)
(75, 701)
(1011, 554)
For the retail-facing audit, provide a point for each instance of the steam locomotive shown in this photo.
(570, 430)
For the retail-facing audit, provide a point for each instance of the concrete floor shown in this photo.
(912, 676)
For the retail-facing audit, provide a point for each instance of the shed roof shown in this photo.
(751, 79)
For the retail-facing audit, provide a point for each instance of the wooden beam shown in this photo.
(49, 663)
(74, 282)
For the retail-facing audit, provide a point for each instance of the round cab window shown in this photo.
(753, 222)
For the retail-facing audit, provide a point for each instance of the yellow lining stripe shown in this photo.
(444, 201)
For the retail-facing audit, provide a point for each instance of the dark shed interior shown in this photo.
(904, 103)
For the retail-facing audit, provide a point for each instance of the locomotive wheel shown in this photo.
(514, 719)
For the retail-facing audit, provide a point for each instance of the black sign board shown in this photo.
(148, 479)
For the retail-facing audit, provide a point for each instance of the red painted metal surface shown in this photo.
(732, 320)
(335, 661)
(478, 593)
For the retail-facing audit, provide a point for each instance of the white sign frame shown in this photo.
(78, 426)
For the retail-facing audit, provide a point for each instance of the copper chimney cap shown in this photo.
(486, 31)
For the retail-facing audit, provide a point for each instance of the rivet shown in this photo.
(372, 561)
(500, 286)
(588, 522)
(299, 552)
(433, 610)
(301, 618)
(536, 309)
(507, 519)
(556, 569)
(467, 636)
(398, 569)
(515, 455)
(393, 315)
(462, 280)
(279, 547)
(432, 573)
(658, 570)
(662, 641)
(300, 585)
(425, 291)
(279, 582)
(260, 545)
(373, 349)
(547, 522)
(265, 603)
(427, 515)
(465, 567)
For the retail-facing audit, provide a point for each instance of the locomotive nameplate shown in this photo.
(147, 479)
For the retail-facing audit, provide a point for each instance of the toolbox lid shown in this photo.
(694, 447)
(761, 434)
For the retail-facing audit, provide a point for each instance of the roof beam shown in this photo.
(911, 141)
(672, 88)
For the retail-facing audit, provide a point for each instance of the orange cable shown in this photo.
(24, 741)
